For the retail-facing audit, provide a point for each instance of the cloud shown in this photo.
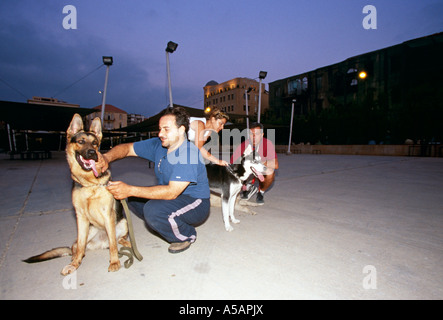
(39, 57)
(44, 62)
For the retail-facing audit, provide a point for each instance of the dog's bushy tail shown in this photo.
(50, 254)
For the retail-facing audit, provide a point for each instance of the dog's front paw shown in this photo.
(229, 228)
(235, 220)
(68, 269)
(114, 266)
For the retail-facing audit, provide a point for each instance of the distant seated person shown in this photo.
(266, 150)
(200, 130)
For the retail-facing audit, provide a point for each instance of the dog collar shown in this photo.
(97, 185)
(92, 185)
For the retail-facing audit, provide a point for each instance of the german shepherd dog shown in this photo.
(100, 221)
(228, 181)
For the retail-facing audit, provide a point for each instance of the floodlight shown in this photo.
(107, 61)
(172, 46)
(262, 74)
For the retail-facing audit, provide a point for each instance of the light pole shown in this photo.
(107, 61)
(247, 111)
(261, 76)
(171, 47)
(290, 128)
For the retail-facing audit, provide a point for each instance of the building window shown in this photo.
(352, 76)
(294, 86)
(305, 84)
(319, 83)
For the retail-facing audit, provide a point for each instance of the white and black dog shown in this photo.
(228, 181)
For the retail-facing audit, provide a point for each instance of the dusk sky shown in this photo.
(217, 40)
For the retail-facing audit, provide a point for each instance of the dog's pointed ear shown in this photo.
(247, 151)
(75, 126)
(96, 128)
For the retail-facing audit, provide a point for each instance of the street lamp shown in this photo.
(261, 76)
(170, 48)
(107, 61)
(362, 75)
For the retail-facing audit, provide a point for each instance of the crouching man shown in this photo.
(266, 150)
(181, 199)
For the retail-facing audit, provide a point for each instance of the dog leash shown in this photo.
(126, 251)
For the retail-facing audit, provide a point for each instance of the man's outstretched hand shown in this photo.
(101, 164)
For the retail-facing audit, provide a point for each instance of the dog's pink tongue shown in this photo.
(259, 176)
(94, 169)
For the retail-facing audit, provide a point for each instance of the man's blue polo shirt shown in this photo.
(183, 164)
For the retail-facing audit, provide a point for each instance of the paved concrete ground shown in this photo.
(333, 227)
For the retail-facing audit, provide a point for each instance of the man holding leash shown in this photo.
(181, 199)
(258, 145)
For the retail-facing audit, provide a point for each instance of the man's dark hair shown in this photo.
(181, 116)
(256, 125)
